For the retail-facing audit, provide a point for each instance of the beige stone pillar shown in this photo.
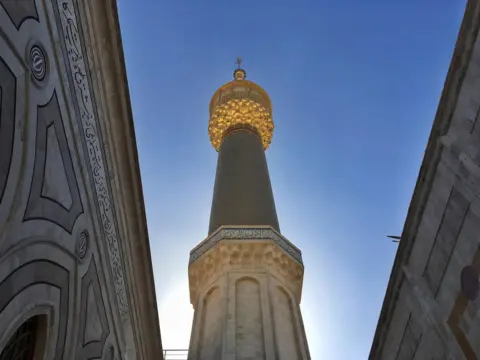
(245, 287)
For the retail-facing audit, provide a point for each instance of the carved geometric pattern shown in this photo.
(79, 81)
(247, 256)
(82, 244)
(38, 62)
(90, 348)
(20, 10)
(40, 206)
(8, 94)
(21, 345)
(40, 272)
(257, 233)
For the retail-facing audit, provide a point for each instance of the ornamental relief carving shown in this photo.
(240, 234)
(240, 111)
(80, 82)
(41, 185)
(244, 255)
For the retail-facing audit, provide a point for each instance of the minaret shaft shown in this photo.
(242, 193)
(245, 278)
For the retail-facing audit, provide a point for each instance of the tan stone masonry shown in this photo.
(245, 287)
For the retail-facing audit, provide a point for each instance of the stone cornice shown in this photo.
(238, 233)
(451, 90)
(246, 255)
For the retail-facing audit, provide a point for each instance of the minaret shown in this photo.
(245, 278)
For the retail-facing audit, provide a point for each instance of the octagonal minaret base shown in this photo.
(245, 287)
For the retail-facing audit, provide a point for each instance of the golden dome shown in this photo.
(240, 104)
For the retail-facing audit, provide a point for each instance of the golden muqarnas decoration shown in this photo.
(240, 103)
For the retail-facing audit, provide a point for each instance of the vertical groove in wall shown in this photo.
(411, 338)
(448, 231)
(284, 324)
(249, 338)
(210, 344)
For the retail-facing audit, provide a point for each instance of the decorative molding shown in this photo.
(41, 272)
(8, 95)
(38, 63)
(22, 343)
(83, 243)
(246, 233)
(246, 255)
(79, 81)
(39, 206)
(20, 11)
(94, 348)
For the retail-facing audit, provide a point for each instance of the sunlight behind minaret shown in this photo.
(176, 315)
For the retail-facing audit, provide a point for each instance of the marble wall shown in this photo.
(63, 253)
(249, 339)
(426, 314)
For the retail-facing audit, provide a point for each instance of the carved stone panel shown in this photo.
(253, 255)
(37, 272)
(94, 327)
(20, 10)
(55, 198)
(54, 194)
(88, 121)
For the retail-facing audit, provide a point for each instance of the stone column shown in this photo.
(245, 287)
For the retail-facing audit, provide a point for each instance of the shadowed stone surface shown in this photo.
(39, 206)
(20, 10)
(40, 272)
(68, 253)
(8, 93)
(425, 314)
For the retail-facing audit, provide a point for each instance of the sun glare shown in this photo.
(176, 315)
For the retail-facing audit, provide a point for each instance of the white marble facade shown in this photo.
(68, 272)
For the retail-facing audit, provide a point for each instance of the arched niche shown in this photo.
(210, 345)
(28, 341)
(249, 336)
(286, 331)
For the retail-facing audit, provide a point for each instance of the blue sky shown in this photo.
(354, 85)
